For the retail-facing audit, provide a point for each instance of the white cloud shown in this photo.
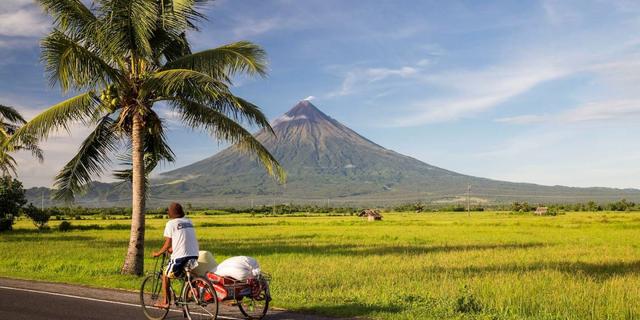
(476, 91)
(556, 156)
(424, 62)
(557, 14)
(358, 79)
(21, 19)
(309, 98)
(58, 150)
(252, 28)
(611, 110)
(522, 119)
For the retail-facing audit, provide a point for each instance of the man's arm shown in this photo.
(166, 246)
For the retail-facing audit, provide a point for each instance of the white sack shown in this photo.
(206, 263)
(239, 268)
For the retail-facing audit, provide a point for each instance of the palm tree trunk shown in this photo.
(134, 261)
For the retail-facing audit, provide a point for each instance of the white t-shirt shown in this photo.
(183, 238)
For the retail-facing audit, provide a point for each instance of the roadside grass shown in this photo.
(408, 266)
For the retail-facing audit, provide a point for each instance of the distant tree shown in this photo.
(125, 57)
(11, 200)
(622, 205)
(39, 217)
(520, 207)
(592, 206)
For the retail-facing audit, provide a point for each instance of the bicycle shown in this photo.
(197, 297)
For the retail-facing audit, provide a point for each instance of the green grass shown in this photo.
(409, 266)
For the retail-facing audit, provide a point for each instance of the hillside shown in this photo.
(327, 161)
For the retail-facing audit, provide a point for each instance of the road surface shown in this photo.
(33, 300)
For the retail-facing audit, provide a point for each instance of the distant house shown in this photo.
(542, 211)
(370, 214)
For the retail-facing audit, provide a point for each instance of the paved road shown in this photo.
(41, 300)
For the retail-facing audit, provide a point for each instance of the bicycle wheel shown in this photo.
(200, 299)
(150, 294)
(255, 307)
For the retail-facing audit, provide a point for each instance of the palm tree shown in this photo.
(10, 121)
(126, 57)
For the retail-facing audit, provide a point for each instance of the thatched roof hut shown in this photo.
(370, 214)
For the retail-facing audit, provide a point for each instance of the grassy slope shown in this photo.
(578, 266)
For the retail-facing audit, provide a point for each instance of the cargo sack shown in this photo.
(239, 268)
(206, 263)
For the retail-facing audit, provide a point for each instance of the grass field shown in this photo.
(409, 266)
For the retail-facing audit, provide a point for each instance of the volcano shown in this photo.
(328, 163)
(325, 160)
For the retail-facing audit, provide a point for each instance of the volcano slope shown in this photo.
(325, 159)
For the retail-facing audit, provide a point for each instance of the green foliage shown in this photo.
(521, 207)
(64, 226)
(622, 205)
(12, 198)
(40, 218)
(467, 302)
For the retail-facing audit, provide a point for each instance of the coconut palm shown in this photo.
(128, 58)
(10, 121)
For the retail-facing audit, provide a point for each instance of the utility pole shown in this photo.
(469, 199)
(42, 201)
(274, 206)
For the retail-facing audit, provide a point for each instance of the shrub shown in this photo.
(467, 302)
(6, 223)
(64, 226)
(11, 200)
(521, 207)
(40, 218)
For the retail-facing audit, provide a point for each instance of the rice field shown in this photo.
(408, 266)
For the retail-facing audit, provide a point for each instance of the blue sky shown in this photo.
(536, 91)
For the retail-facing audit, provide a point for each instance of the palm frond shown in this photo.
(71, 16)
(8, 164)
(180, 82)
(72, 65)
(222, 127)
(28, 143)
(91, 159)
(169, 47)
(225, 61)
(201, 88)
(182, 14)
(11, 114)
(130, 25)
(59, 116)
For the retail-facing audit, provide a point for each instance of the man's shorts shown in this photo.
(175, 268)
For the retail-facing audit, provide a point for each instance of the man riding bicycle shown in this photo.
(180, 240)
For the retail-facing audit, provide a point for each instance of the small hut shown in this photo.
(542, 211)
(370, 214)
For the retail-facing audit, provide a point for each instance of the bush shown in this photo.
(467, 302)
(40, 218)
(6, 223)
(64, 226)
(521, 207)
(11, 200)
